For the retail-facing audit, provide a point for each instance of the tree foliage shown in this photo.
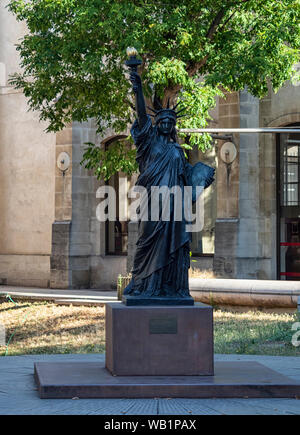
(73, 56)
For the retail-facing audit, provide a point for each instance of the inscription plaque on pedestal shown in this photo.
(163, 325)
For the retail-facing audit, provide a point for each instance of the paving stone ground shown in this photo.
(18, 393)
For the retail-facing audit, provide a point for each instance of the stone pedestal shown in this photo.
(160, 340)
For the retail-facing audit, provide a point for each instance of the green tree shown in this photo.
(73, 59)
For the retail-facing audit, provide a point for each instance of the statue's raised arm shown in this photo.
(139, 98)
(132, 63)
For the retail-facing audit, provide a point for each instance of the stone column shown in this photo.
(74, 225)
(82, 199)
(248, 249)
(60, 259)
(226, 226)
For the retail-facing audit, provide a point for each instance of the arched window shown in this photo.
(116, 233)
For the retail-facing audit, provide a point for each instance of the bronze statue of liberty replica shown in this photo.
(172, 339)
(162, 258)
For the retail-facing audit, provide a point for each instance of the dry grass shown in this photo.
(204, 274)
(44, 327)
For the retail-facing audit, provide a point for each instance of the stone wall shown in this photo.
(78, 257)
(27, 158)
(246, 235)
(49, 231)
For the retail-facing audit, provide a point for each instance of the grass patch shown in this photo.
(255, 333)
(44, 327)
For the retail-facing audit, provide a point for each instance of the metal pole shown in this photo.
(241, 130)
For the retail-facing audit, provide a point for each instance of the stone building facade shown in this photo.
(251, 240)
(26, 176)
(50, 235)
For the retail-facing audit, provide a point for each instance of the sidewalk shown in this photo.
(74, 297)
(18, 393)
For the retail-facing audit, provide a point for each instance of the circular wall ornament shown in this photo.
(228, 152)
(63, 161)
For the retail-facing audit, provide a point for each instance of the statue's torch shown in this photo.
(132, 62)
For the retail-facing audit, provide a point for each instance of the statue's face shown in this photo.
(166, 126)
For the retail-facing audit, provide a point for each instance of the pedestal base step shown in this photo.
(62, 380)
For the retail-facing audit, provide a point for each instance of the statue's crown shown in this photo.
(167, 112)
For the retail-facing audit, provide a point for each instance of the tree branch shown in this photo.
(228, 19)
(213, 27)
(194, 67)
(171, 95)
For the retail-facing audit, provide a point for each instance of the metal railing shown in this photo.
(219, 136)
(241, 130)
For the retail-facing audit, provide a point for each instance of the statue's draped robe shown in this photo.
(162, 257)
